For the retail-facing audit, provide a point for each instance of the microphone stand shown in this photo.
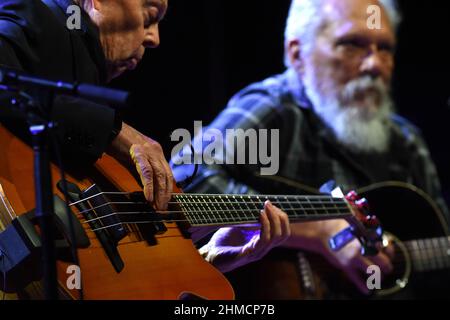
(40, 129)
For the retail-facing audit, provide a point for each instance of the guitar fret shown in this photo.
(255, 209)
(248, 211)
(189, 211)
(236, 217)
(304, 212)
(445, 245)
(337, 208)
(232, 211)
(212, 217)
(431, 255)
(243, 208)
(224, 207)
(182, 203)
(291, 209)
(323, 206)
(235, 208)
(257, 203)
(438, 256)
(310, 206)
(427, 261)
(276, 202)
(204, 210)
(233, 204)
(417, 257)
(196, 210)
(219, 214)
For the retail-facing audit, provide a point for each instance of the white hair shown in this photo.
(305, 20)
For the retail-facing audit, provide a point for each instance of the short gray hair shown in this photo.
(305, 21)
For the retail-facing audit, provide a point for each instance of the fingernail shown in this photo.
(268, 204)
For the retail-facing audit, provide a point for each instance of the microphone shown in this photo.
(87, 91)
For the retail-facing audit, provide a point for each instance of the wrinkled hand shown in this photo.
(349, 259)
(230, 248)
(140, 153)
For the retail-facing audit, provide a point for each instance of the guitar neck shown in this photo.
(429, 254)
(207, 210)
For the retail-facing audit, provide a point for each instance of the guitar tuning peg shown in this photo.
(371, 222)
(352, 197)
(363, 206)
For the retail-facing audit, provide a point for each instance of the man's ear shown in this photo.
(95, 4)
(293, 50)
(89, 4)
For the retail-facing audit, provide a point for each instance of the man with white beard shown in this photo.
(335, 115)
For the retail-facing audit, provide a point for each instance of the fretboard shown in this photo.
(204, 210)
(429, 254)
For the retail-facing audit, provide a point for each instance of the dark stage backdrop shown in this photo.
(212, 48)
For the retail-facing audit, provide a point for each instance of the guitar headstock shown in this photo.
(364, 226)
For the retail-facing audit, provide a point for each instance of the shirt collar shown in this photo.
(297, 89)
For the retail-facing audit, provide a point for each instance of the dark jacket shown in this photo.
(34, 39)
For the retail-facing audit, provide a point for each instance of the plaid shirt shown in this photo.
(309, 153)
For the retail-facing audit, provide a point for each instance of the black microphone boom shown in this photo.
(113, 97)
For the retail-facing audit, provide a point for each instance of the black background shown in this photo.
(210, 49)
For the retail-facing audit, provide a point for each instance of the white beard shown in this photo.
(360, 126)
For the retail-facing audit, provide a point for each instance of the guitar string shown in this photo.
(297, 204)
(221, 196)
(400, 259)
(329, 201)
(207, 213)
(204, 220)
(11, 216)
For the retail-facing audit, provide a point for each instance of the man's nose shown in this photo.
(151, 39)
(373, 63)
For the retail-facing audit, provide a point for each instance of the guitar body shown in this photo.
(166, 269)
(405, 211)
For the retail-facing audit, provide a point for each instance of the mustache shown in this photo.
(362, 85)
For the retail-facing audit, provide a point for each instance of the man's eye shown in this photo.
(151, 16)
(351, 43)
(148, 20)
